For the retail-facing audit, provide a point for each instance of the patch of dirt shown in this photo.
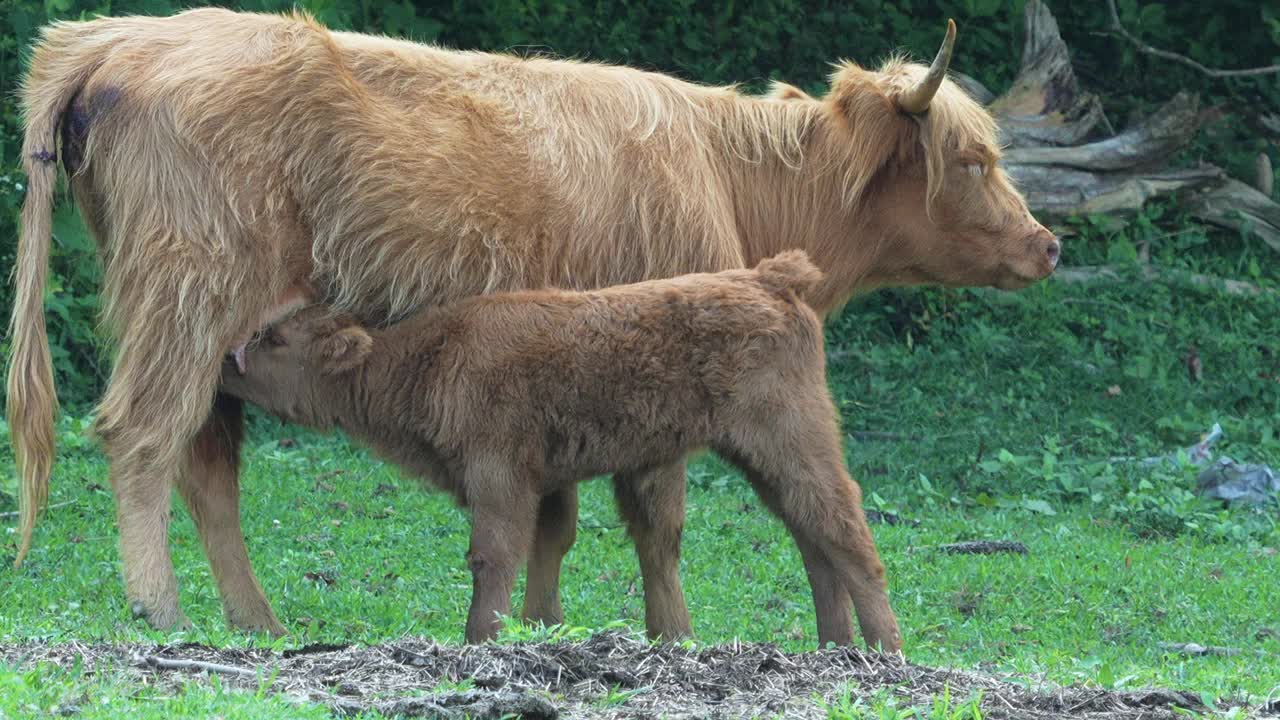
(607, 676)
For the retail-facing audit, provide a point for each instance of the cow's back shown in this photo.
(622, 158)
(419, 175)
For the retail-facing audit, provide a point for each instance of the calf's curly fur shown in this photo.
(503, 399)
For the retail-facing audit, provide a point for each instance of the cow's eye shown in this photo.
(274, 339)
(976, 169)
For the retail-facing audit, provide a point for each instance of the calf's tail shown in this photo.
(789, 270)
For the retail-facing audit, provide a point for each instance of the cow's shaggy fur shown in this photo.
(503, 399)
(221, 159)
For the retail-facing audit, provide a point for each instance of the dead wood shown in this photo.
(198, 665)
(1119, 28)
(1199, 650)
(1236, 206)
(1067, 165)
(14, 513)
(1045, 106)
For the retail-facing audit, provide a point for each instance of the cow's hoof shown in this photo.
(160, 618)
(271, 626)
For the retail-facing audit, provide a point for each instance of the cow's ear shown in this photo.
(860, 108)
(860, 97)
(345, 349)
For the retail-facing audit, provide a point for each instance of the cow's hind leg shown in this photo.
(211, 490)
(652, 504)
(556, 531)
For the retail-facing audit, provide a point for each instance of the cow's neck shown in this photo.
(782, 205)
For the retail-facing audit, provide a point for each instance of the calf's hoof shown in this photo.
(547, 614)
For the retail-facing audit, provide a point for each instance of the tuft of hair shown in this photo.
(789, 270)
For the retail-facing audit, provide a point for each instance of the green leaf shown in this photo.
(1121, 252)
(1039, 506)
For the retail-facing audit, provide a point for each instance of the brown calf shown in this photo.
(504, 399)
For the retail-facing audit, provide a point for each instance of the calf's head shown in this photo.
(289, 367)
(919, 159)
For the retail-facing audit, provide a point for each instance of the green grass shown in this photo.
(1007, 421)
(48, 690)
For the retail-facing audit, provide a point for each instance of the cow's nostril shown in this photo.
(1053, 251)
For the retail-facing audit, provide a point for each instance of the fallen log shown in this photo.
(1234, 205)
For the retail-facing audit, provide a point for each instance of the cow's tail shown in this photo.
(790, 270)
(57, 74)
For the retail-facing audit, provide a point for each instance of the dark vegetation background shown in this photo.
(716, 42)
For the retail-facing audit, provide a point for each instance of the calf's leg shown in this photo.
(831, 602)
(796, 455)
(504, 516)
(652, 504)
(557, 528)
(210, 488)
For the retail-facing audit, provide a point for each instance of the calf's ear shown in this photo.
(345, 349)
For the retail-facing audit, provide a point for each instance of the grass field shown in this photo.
(1001, 414)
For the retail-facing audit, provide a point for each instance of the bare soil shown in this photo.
(607, 676)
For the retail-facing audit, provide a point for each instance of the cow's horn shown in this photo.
(916, 100)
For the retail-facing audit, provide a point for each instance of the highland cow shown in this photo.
(220, 159)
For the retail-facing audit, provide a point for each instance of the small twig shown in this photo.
(167, 664)
(838, 355)
(14, 513)
(1197, 649)
(881, 435)
(984, 547)
(982, 449)
(1086, 701)
(1211, 72)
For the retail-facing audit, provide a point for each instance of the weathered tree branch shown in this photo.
(1234, 205)
(1154, 140)
(14, 513)
(1211, 72)
(167, 664)
(1263, 176)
